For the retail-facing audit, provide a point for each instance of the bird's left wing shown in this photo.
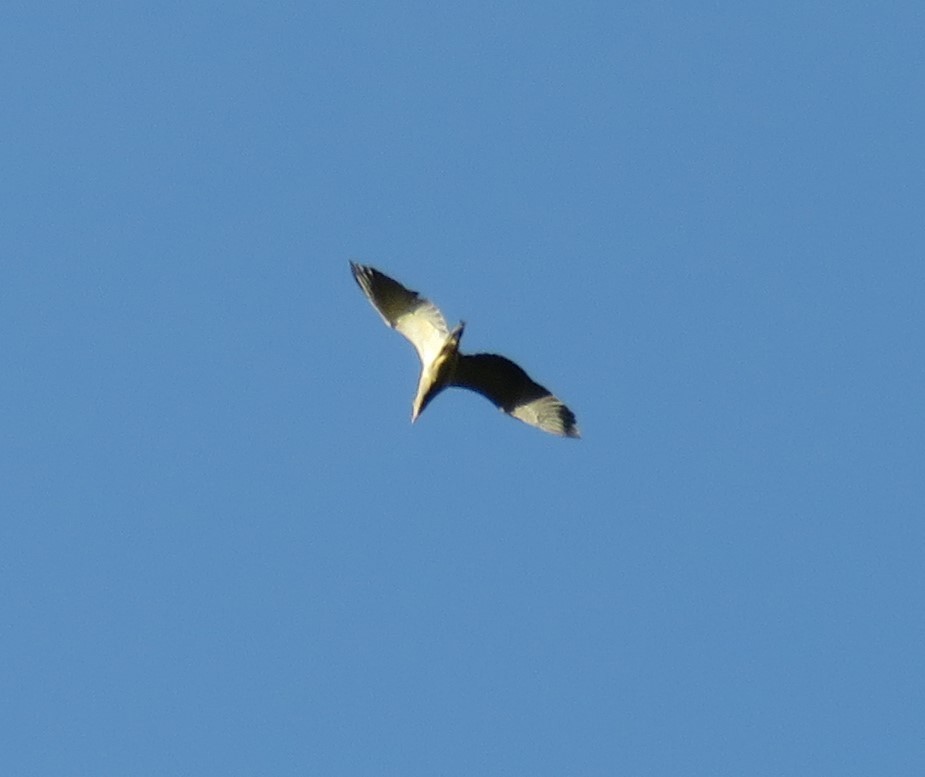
(418, 319)
(510, 388)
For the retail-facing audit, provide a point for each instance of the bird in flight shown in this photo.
(443, 366)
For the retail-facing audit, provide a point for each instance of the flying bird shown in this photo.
(443, 366)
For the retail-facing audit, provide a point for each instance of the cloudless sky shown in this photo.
(225, 550)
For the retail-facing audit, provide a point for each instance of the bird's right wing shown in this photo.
(511, 389)
(418, 319)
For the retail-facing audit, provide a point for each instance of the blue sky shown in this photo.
(225, 550)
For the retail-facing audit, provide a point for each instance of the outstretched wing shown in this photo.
(404, 310)
(511, 389)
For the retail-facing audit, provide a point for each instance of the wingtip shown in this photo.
(569, 423)
(361, 274)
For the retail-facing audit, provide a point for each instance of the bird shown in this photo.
(443, 366)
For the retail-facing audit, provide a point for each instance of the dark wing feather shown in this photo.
(418, 319)
(511, 389)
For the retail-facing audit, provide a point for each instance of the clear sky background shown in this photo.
(224, 549)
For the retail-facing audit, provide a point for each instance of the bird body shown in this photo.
(442, 365)
(438, 374)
